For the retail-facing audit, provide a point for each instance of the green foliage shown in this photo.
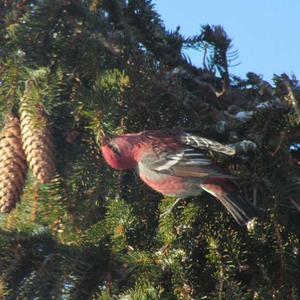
(144, 290)
(95, 233)
(11, 72)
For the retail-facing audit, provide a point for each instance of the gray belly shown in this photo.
(170, 185)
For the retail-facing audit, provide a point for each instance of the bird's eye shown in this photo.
(114, 148)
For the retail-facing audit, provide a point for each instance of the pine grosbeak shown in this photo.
(176, 163)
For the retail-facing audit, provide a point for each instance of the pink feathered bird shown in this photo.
(176, 163)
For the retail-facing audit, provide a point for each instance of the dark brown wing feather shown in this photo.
(205, 144)
(187, 162)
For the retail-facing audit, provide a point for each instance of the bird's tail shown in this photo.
(242, 210)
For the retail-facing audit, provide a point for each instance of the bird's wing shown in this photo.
(186, 162)
(205, 144)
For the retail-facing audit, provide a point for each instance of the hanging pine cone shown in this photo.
(37, 140)
(13, 165)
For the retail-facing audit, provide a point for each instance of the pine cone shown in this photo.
(37, 142)
(13, 165)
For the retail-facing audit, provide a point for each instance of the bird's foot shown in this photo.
(169, 210)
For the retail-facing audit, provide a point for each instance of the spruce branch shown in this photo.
(286, 89)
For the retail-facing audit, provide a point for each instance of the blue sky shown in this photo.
(266, 33)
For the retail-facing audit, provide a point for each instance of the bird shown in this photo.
(177, 163)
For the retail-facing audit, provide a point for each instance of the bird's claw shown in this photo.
(169, 210)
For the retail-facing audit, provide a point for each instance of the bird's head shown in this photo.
(118, 152)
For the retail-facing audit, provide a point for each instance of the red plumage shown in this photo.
(176, 163)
